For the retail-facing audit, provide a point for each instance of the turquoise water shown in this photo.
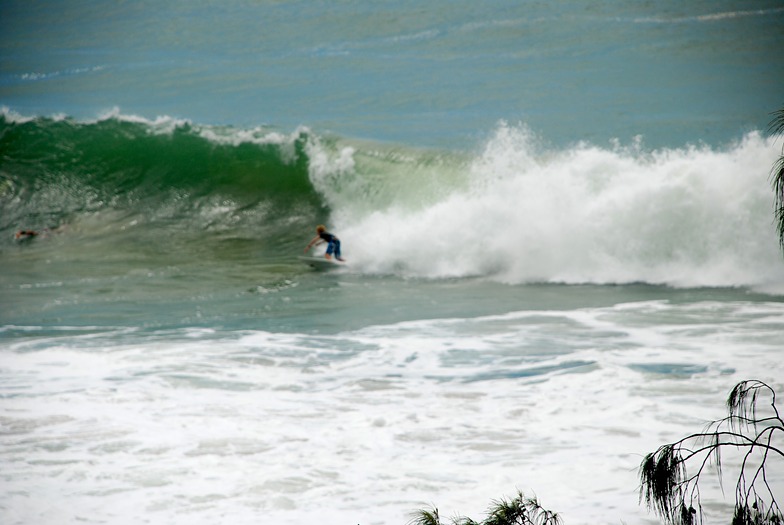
(435, 74)
(558, 221)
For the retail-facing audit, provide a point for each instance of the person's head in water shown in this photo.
(22, 235)
(321, 228)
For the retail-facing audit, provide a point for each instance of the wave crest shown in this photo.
(693, 216)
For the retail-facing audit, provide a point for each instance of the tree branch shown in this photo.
(669, 491)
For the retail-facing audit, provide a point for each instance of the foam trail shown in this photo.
(693, 216)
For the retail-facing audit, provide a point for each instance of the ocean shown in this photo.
(559, 230)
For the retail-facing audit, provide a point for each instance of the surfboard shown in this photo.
(320, 263)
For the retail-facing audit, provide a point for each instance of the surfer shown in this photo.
(333, 243)
(23, 235)
(26, 235)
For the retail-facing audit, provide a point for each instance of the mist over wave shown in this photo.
(693, 216)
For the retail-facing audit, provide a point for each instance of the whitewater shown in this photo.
(527, 319)
(559, 226)
(687, 217)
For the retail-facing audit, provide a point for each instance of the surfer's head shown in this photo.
(22, 235)
(321, 228)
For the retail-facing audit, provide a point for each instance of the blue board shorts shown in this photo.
(334, 246)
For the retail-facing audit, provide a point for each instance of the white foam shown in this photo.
(167, 124)
(204, 426)
(13, 116)
(695, 216)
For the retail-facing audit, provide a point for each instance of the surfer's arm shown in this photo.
(316, 240)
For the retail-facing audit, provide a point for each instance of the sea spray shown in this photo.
(693, 216)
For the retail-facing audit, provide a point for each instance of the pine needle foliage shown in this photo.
(777, 174)
(519, 510)
(673, 493)
(426, 517)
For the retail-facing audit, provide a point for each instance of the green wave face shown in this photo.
(156, 180)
